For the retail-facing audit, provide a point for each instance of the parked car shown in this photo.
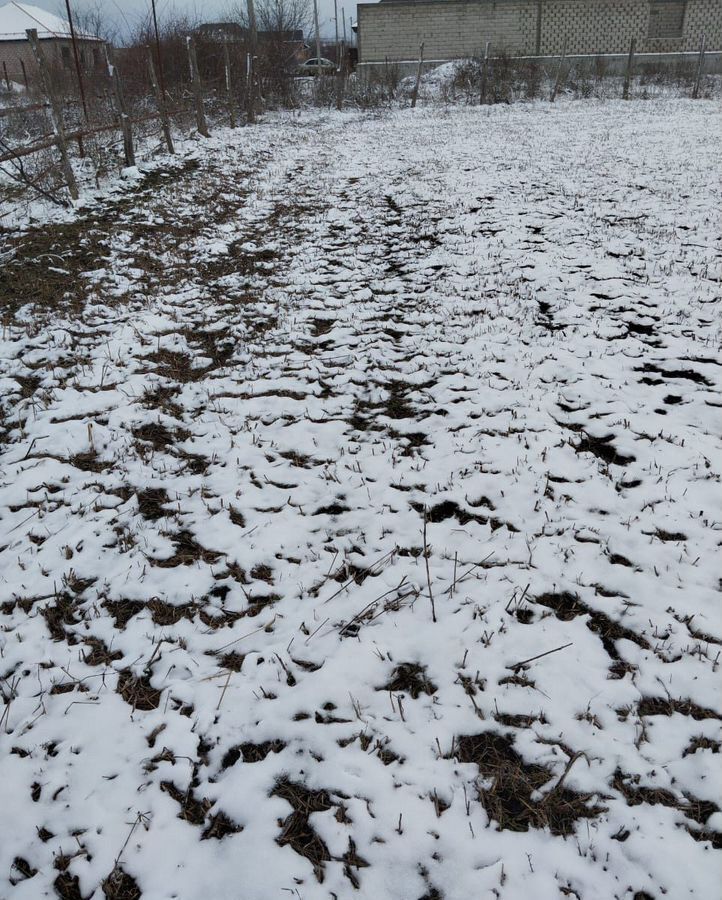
(316, 63)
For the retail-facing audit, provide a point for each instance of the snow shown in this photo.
(318, 356)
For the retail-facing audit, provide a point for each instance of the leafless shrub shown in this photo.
(377, 89)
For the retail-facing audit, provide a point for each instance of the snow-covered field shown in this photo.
(360, 516)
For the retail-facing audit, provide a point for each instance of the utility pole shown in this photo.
(77, 59)
(339, 70)
(251, 64)
(318, 36)
(335, 20)
(252, 27)
(157, 47)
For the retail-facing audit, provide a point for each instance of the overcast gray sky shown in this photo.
(129, 11)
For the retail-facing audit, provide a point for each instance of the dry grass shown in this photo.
(119, 885)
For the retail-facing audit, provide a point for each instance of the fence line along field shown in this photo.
(64, 133)
(360, 513)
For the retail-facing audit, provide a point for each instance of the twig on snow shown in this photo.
(428, 574)
(539, 656)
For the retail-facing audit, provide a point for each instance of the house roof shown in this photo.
(221, 30)
(16, 18)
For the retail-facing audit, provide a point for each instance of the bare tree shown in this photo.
(284, 16)
(281, 26)
(91, 18)
(274, 17)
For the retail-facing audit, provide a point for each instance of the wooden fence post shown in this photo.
(250, 92)
(339, 70)
(25, 74)
(628, 73)
(160, 102)
(558, 79)
(340, 83)
(484, 71)
(7, 77)
(197, 88)
(700, 68)
(415, 95)
(341, 79)
(229, 84)
(55, 113)
(128, 150)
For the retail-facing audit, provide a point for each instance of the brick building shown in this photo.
(451, 29)
(16, 57)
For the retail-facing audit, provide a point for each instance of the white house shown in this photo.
(17, 63)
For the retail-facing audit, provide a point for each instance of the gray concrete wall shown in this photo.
(613, 64)
(451, 29)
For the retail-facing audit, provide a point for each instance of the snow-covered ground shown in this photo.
(305, 448)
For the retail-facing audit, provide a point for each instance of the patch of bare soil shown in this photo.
(508, 798)
(296, 829)
(698, 811)
(410, 678)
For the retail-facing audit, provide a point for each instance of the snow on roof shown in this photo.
(16, 18)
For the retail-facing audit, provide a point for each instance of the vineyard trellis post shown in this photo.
(197, 88)
(560, 68)
(628, 73)
(250, 93)
(229, 84)
(700, 68)
(484, 71)
(128, 150)
(160, 101)
(251, 64)
(415, 95)
(55, 113)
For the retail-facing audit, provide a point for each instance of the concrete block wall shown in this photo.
(703, 17)
(607, 26)
(602, 26)
(448, 29)
(451, 29)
